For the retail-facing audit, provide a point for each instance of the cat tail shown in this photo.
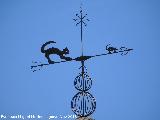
(45, 44)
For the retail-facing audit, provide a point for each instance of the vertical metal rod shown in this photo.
(81, 30)
(82, 62)
(83, 104)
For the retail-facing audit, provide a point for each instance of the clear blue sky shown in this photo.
(125, 87)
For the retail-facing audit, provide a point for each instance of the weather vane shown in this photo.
(83, 104)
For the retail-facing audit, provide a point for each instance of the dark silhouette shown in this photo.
(111, 49)
(124, 50)
(83, 104)
(53, 50)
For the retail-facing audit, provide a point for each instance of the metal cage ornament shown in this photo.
(83, 82)
(83, 104)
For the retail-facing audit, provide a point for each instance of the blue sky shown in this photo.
(125, 87)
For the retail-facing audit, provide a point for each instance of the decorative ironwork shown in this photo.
(83, 82)
(83, 104)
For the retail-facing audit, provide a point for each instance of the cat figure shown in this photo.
(56, 51)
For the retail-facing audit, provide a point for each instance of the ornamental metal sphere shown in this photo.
(83, 104)
(83, 82)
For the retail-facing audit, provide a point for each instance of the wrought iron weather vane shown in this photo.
(83, 104)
